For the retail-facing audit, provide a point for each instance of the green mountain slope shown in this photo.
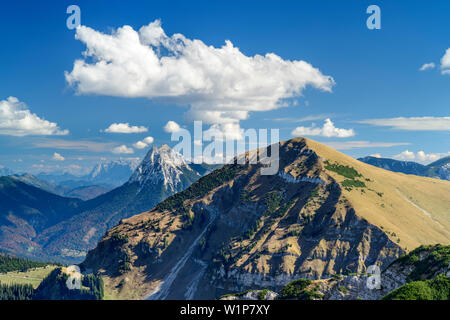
(26, 211)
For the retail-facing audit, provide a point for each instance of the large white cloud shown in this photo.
(413, 123)
(221, 85)
(125, 128)
(327, 130)
(17, 120)
(445, 62)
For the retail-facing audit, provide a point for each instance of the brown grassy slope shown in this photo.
(415, 209)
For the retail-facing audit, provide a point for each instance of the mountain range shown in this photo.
(84, 192)
(108, 174)
(161, 174)
(234, 229)
(439, 169)
(113, 173)
(104, 177)
(25, 211)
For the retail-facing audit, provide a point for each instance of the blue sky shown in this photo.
(375, 72)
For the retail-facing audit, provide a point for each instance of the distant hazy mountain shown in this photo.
(87, 192)
(162, 173)
(56, 178)
(41, 184)
(407, 167)
(439, 169)
(109, 173)
(113, 173)
(25, 211)
(5, 171)
(84, 192)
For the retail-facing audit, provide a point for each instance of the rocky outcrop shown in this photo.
(423, 263)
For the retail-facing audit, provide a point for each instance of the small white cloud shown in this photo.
(405, 155)
(413, 123)
(376, 155)
(143, 143)
(17, 120)
(420, 156)
(140, 145)
(125, 128)
(172, 126)
(58, 157)
(328, 130)
(427, 66)
(148, 140)
(123, 149)
(348, 145)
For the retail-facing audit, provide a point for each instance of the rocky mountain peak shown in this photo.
(161, 164)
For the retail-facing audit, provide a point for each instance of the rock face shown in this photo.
(236, 229)
(165, 168)
(423, 263)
